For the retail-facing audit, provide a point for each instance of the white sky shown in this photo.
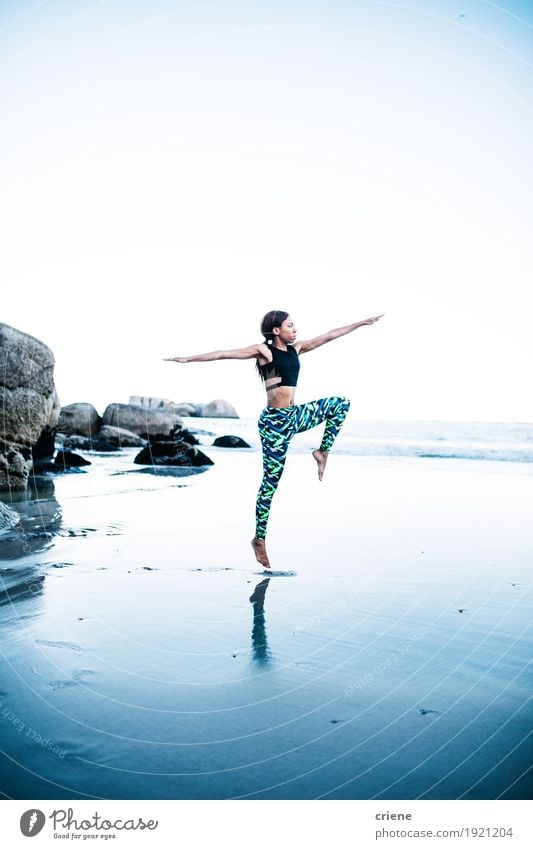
(173, 170)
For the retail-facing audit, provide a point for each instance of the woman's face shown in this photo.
(286, 331)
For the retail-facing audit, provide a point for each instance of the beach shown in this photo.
(146, 655)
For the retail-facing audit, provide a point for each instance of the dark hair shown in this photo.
(272, 319)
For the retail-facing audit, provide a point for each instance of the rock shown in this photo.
(141, 420)
(217, 409)
(172, 453)
(44, 448)
(82, 443)
(56, 411)
(181, 433)
(150, 402)
(15, 465)
(230, 442)
(81, 419)
(27, 402)
(185, 409)
(117, 437)
(42, 466)
(8, 518)
(67, 460)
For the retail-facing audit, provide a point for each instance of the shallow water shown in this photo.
(146, 655)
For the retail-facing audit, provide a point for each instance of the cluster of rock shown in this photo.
(217, 409)
(159, 432)
(32, 420)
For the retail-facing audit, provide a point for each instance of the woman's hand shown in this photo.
(176, 359)
(374, 319)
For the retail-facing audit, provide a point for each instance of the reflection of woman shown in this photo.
(259, 639)
(277, 360)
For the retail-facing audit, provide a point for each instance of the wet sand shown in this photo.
(146, 655)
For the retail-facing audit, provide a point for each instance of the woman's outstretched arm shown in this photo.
(236, 354)
(303, 347)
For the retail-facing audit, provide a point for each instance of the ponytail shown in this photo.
(272, 319)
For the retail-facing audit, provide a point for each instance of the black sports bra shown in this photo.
(285, 364)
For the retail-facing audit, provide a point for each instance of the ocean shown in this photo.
(489, 441)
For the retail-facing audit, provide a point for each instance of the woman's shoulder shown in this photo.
(264, 354)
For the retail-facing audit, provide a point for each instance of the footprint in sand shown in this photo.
(58, 644)
(78, 677)
(424, 711)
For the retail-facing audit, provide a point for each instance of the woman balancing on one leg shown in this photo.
(277, 360)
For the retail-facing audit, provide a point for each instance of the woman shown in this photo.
(277, 360)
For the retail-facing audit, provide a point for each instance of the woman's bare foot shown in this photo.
(259, 547)
(321, 458)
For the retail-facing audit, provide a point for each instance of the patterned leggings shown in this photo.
(277, 426)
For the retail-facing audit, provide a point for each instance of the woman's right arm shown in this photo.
(248, 353)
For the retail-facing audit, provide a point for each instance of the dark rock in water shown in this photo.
(100, 445)
(81, 419)
(174, 436)
(230, 442)
(44, 448)
(41, 466)
(184, 435)
(28, 401)
(82, 443)
(68, 460)
(172, 453)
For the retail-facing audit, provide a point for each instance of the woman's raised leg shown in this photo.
(331, 410)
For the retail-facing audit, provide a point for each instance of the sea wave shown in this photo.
(482, 441)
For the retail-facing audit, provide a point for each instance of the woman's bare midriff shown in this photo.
(281, 396)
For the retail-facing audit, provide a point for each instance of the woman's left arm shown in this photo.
(310, 344)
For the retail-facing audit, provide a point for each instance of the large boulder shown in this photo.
(117, 437)
(28, 402)
(80, 419)
(185, 409)
(172, 453)
(217, 409)
(44, 448)
(68, 460)
(141, 420)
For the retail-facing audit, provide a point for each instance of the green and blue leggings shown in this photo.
(277, 426)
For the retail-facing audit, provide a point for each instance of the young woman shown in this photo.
(278, 363)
